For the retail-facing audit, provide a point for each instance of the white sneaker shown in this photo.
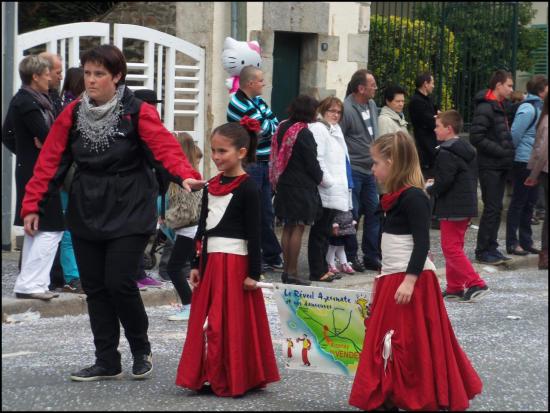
(181, 315)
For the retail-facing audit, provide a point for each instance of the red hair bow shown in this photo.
(250, 124)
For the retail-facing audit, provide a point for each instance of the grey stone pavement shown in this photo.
(505, 336)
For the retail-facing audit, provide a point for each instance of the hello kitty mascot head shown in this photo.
(237, 55)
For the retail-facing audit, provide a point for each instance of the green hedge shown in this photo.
(400, 48)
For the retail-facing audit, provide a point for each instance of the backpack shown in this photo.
(512, 110)
(161, 173)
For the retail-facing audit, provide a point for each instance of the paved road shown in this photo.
(511, 356)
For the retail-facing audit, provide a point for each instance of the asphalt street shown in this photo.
(505, 335)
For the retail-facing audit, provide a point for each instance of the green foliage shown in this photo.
(34, 15)
(400, 48)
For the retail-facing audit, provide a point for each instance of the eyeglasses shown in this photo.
(337, 112)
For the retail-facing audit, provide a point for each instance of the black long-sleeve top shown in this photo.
(241, 220)
(411, 215)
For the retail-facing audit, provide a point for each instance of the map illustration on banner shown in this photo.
(323, 328)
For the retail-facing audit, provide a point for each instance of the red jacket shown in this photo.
(114, 192)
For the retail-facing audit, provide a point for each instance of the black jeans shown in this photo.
(317, 245)
(521, 209)
(492, 183)
(271, 249)
(107, 273)
(182, 253)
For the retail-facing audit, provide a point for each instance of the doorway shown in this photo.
(287, 51)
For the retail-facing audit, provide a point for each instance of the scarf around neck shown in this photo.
(279, 157)
(389, 199)
(215, 187)
(45, 104)
(98, 124)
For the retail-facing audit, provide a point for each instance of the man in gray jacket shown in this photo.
(360, 127)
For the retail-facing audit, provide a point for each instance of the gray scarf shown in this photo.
(98, 124)
(45, 104)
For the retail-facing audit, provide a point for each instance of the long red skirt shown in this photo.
(235, 354)
(428, 369)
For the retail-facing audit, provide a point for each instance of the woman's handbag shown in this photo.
(184, 207)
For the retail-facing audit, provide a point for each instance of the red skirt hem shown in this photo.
(235, 353)
(427, 370)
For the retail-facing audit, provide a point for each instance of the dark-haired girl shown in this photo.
(234, 353)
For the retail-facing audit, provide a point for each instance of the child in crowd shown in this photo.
(182, 216)
(455, 193)
(342, 228)
(234, 353)
(411, 359)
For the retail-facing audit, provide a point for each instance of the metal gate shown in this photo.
(460, 43)
(166, 64)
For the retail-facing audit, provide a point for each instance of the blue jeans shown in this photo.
(520, 210)
(365, 202)
(68, 261)
(271, 249)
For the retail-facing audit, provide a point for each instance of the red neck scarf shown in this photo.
(388, 200)
(215, 187)
(279, 157)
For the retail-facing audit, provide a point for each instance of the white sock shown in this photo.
(341, 254)
(330, 254)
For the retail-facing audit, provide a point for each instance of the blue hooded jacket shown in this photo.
(523, 136)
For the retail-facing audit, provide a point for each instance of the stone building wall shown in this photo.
(155, 15)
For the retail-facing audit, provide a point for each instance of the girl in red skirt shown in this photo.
(235, 352)
(411, 359)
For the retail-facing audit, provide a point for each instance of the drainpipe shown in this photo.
(238, 20)
(234, 19)
(9, 33)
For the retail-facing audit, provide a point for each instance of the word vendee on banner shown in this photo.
(323, 327)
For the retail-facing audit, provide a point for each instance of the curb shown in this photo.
(75, 304)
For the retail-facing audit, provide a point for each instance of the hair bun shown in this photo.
(251, 125)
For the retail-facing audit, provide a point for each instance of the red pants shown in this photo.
(305, 360)
(458, 269)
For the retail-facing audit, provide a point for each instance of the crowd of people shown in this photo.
(93, 161)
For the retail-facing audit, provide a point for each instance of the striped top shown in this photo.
(241, 105)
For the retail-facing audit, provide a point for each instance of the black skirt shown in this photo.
(293, 203)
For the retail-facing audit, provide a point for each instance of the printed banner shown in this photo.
(323, 327)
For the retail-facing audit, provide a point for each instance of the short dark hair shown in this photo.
(241, 138)
(391, 91)
(453, 119)
(421, 78)
(499, 76)
(74, 81)
(109, 56)
(537, 84)
(303, 109)
(358, 78)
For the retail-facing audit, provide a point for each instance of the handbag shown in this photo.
(184, 207)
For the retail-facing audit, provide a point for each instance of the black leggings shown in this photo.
(107, 272)
(181, 254)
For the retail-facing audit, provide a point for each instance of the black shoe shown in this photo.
(488, 258)
(499, 254)
(95, 373)
(288, 279)
(143, 366)
(357, 265)
(453, 296)
(273, 267)
(532, 250)
(517, 250)
(474, 294)
(372, 265)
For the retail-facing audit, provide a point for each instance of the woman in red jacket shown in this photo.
(113, 138)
